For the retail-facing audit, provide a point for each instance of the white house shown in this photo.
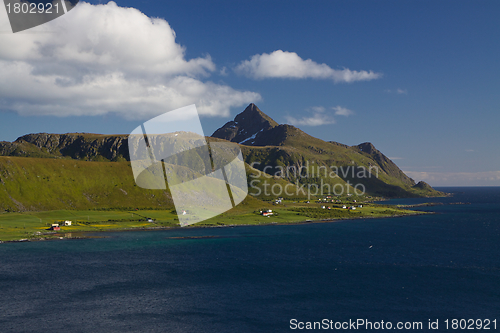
(269, 212)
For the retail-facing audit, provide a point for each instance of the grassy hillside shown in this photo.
(29, 184)
(98, 196)
(40, 184)
(289, 148)
(284, 153)
(318, 159)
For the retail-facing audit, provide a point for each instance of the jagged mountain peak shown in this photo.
(246, 126)
(252, 114)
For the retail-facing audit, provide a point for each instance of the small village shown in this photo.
(327, 202)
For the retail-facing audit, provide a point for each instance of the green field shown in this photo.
(15, 226)
(35, 225)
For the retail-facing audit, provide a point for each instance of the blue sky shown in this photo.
(418, 79)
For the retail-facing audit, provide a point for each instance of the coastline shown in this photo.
(89, 234)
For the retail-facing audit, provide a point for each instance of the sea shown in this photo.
(441, 270)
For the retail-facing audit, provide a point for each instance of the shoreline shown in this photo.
(62, 236)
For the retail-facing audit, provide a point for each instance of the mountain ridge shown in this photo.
(266, 146)
(392, 181)
(80, 146)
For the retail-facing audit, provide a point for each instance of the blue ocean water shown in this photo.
(257, 278)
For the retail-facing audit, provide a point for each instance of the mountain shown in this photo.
(388, 166)
(273, 153)
(246, 127)
(271, 147)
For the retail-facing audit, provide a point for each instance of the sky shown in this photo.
(418, 79)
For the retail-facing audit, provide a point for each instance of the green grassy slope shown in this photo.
(29, 184)
(362, 164)
(289, 148)
(40, 184)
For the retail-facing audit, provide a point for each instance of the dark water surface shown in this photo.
(255, 279)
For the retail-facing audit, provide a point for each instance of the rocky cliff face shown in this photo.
(385, 163)
(88, 147)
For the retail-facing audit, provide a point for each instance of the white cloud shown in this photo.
(457, 178)
(340, 111)
(283, 64)
(317, 109)
(223, 71)
(316, 119)
(319, 116)
(398, 91)
(100, 59)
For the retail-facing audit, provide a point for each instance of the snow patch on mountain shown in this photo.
(252, 137)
